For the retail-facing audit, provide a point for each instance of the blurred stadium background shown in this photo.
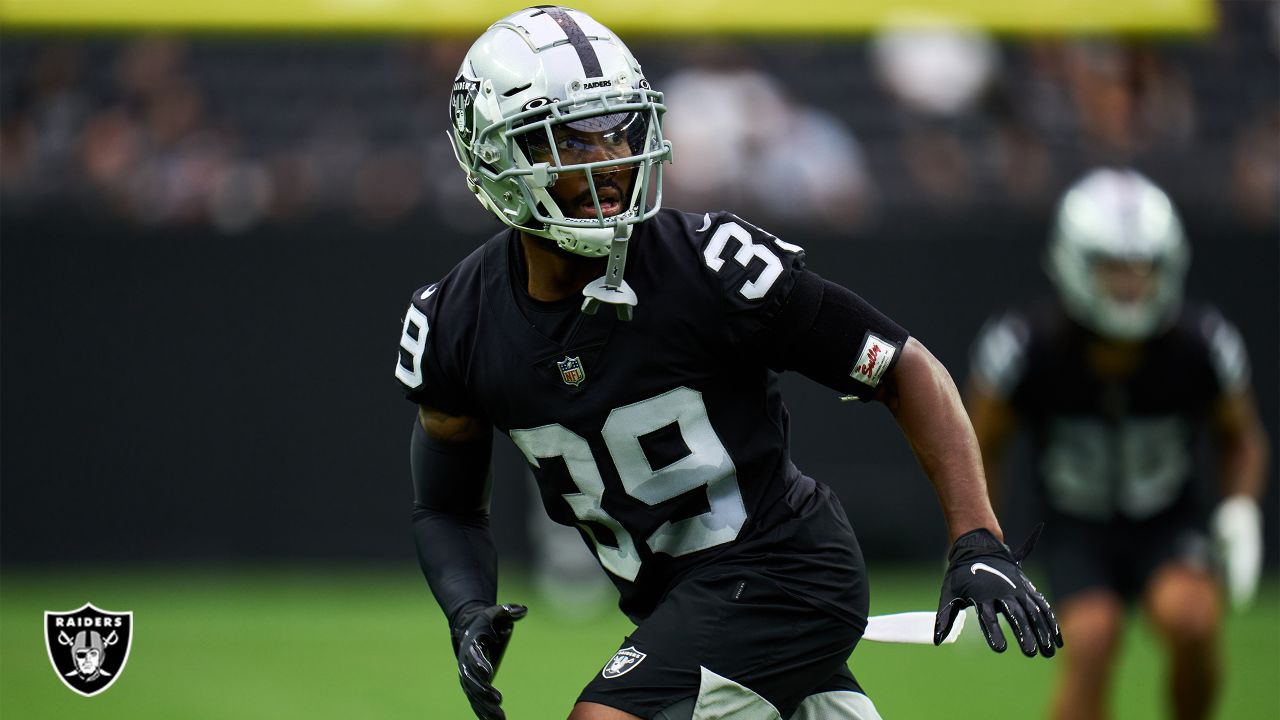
(211, 215)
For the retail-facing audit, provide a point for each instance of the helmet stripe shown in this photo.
(578, 39)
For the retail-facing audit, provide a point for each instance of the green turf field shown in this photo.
(348, 643)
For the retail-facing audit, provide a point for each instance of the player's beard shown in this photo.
(583, 200)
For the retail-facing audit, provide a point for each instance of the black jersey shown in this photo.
(663, 439)
(1120, 448)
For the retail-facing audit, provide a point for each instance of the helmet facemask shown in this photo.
(1130, 300)
(609, 147)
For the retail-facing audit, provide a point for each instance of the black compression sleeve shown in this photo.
(451, 520)
(824, 331)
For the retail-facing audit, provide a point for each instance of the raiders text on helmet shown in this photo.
(530, 73)
(1114, 215)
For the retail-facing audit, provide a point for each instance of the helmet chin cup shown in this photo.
(590, 242)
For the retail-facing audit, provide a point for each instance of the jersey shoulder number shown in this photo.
(750, 262)
(413, 338)
(432, 359)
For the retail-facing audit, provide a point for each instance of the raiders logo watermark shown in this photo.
(571, 371)
(623, 662)
(88, 647)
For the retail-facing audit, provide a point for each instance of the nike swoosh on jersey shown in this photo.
(429, 291)
(974, 568)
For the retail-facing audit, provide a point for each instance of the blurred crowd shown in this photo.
(235, 132)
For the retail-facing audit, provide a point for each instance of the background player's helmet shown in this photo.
(531, 71)
(1109, 216)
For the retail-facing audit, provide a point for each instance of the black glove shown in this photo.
(479, 640)
(983, 572)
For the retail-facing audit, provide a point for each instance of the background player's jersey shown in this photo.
(1118, 448)
(664, 438)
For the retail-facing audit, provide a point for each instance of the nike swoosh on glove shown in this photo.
(984, 573)
(480, 641)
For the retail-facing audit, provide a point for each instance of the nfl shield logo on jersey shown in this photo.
(622, 663)
(88, 647)
(571, 371)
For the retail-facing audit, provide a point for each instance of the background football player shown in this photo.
(630, 353)
(1117, 381)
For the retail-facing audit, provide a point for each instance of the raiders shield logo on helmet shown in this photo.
(460, 105)
(571, 371)
(88, 647)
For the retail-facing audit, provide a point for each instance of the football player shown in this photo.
(1116, 381)
(631, 353)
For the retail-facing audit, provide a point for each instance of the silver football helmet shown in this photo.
(533, 83)
(1117, 216)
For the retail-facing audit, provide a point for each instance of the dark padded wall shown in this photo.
(184, 395)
